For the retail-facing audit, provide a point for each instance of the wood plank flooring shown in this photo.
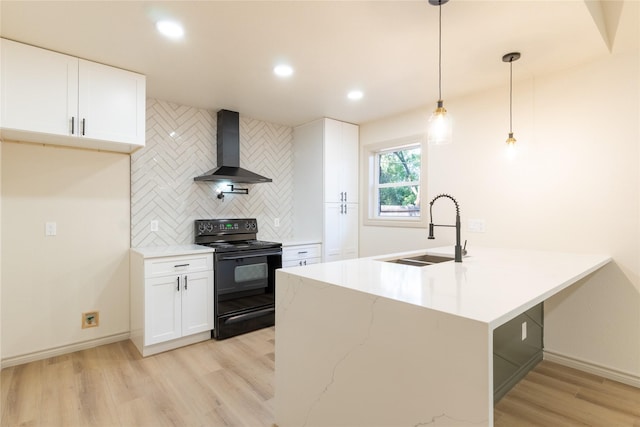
(230, 383)
(554, 395)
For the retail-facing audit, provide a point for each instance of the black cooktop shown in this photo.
(241, 245)
(225, 235)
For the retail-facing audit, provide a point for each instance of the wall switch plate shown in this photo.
(476, 225)
(276, 222)
(154, 225)
(524, 331)
(50, 229)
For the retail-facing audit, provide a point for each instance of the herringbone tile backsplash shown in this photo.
(181, 144)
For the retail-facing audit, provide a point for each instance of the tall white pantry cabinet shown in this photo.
(326, 186)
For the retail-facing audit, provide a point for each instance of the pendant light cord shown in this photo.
(511, 96)
(440, 51)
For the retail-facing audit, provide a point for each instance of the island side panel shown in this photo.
(347, 358)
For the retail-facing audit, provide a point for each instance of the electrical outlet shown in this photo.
(476, 225)
(154, 225)
(524, 331)
(90, 319)
(50, 229)
(276, 222)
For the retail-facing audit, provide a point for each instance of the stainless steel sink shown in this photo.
(420, 260)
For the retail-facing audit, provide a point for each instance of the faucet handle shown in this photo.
(464, 248)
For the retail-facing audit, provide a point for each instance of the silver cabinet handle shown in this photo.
(73, 125)
(178, 289)
(84, 126)
(180, 265)
(345, 209)
(186, 283)
(302, 252)
(345, 196)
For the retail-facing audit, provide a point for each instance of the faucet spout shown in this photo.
(458, 247)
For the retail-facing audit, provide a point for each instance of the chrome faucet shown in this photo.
(459, 250)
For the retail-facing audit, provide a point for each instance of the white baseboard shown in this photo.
(582, 365)
(58, 351)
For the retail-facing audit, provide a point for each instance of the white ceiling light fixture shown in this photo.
(170, 29)
(510, 57)
(355, 95)
(440, 128)
(283, 70)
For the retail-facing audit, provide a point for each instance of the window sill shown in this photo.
(406, 223)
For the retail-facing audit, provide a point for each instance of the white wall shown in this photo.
(573, 185)
(48, 282)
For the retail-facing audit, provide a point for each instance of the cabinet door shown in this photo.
(39, 89)
(332, 243)
(111, 103)
(197, 303)
(349, 170)
(341, 231)
(162, 317)
(349, 231)
(340, 162)
(333, 161)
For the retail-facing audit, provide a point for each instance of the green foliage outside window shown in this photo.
(398, 182)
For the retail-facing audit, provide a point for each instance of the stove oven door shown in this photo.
(244, 297)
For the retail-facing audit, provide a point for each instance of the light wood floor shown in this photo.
(230, 383)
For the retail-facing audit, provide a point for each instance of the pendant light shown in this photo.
(510, 57)
(440, 123)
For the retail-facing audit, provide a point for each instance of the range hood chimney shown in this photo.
(228, 146)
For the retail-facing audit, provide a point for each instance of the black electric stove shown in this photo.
(244, 274)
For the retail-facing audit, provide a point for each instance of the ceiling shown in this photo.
(387, 49)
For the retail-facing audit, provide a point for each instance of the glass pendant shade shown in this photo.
(440, 126)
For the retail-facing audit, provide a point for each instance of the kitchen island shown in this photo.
(366, 342)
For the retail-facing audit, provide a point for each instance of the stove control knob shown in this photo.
(201, 228)
(254, 225)
(209, 227)
(247, 225)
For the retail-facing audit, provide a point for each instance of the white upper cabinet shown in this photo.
(111, 102)
(51, 98)
(341, 162)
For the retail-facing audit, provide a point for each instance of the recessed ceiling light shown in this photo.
(170, 29)
(283, 70)
(354, 95)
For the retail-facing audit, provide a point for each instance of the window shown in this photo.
(396, 171)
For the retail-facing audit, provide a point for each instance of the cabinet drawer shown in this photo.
(155, 267)
(300, 252)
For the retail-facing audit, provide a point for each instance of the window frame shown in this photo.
(370, 163)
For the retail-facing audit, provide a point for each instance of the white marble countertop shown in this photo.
(172, 250)
(490, 285)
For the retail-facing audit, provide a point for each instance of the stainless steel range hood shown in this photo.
(228, 146)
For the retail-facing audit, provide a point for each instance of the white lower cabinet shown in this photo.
(177, 306)
(171, 301)
(299, 255)
(340, 231)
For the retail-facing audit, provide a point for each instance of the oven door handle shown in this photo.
(247, 316)
(248, 254)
